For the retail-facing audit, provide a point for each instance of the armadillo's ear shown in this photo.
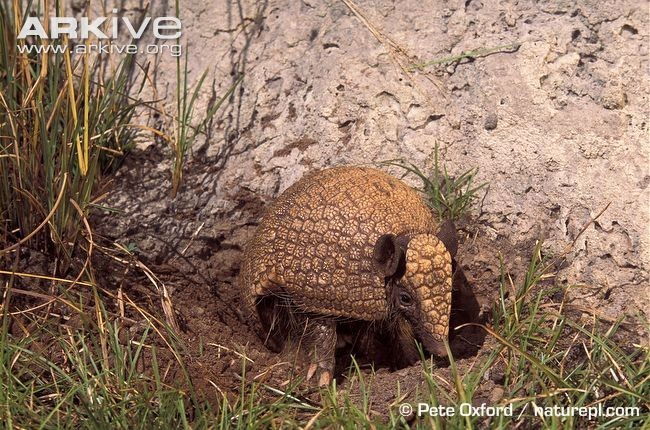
(447, 235)
(387, 254)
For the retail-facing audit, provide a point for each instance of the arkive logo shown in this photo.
(166, 28)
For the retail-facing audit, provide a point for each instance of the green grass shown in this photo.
(185, 132)
(449, 197)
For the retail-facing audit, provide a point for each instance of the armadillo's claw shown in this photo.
(324, 374)
(325, 378)
(311, 370)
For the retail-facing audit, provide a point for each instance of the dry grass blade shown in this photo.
(46, 277)
(49, 299)
(398, 55)
(43, 223)
(382, 38)
(242, 356)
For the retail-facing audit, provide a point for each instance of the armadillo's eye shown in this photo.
(405, 299)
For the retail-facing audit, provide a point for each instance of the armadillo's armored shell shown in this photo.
(316, 241)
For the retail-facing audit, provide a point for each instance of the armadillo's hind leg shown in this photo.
(319, 341)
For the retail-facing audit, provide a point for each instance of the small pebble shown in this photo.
(491, 121)
(613, 97)
(496, 395)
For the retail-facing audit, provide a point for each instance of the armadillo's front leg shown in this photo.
(321, 341)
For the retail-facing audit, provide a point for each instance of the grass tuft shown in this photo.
(82, 375)
(61, 132)
(186, 133)
(449, 197)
